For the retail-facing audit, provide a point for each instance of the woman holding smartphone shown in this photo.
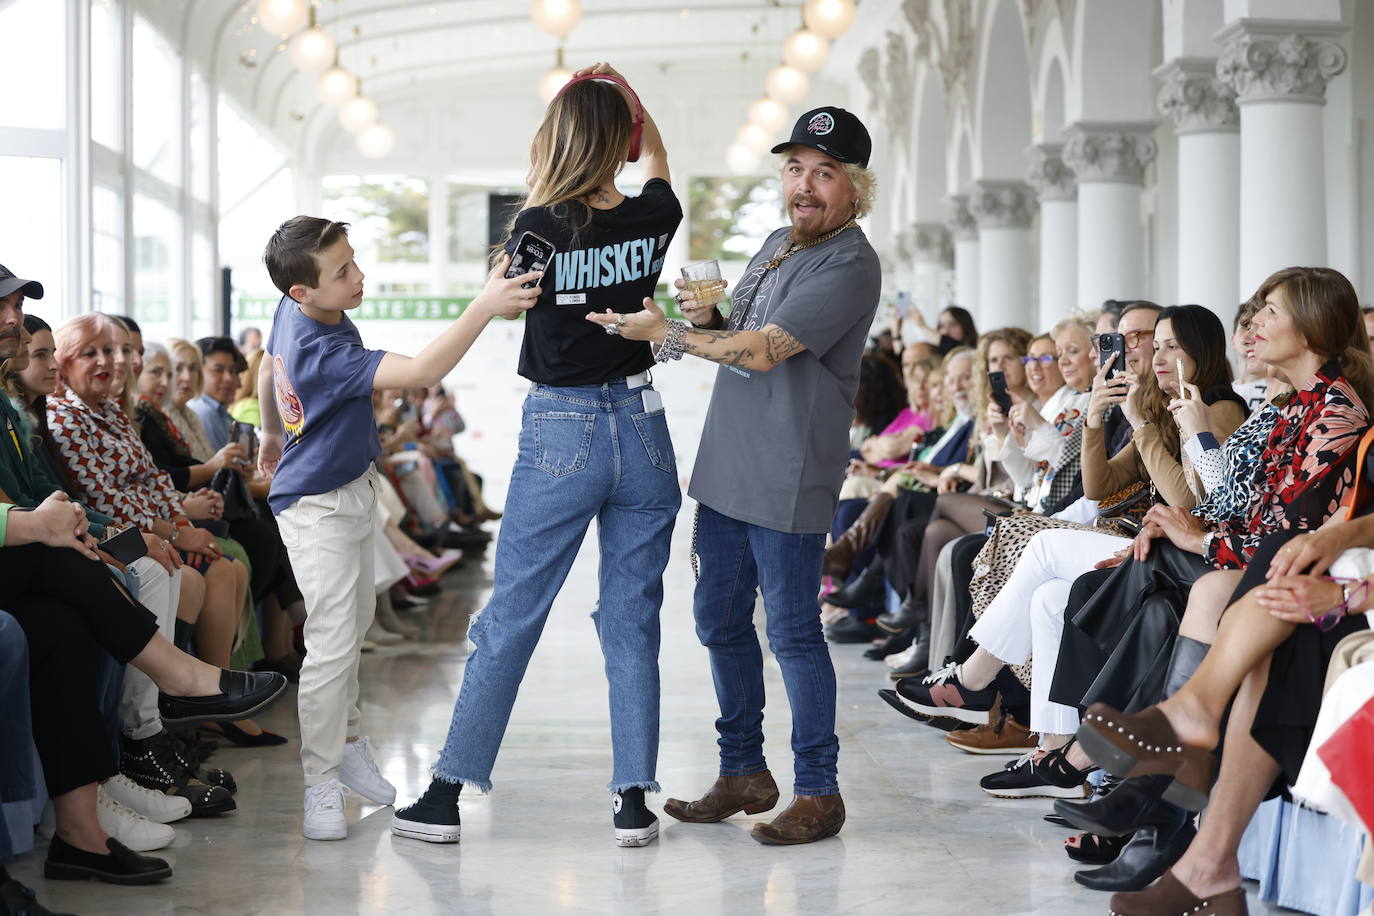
(593, 444)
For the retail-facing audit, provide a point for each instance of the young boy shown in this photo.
(319, 442)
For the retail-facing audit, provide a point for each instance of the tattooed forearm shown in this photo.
(778, 344)
(744, 349)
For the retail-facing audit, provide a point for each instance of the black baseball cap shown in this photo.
(835, 132)
(31, 289)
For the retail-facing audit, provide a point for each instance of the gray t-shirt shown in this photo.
(775, 444)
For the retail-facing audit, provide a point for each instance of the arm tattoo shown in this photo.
(778, 345)
(739, 348)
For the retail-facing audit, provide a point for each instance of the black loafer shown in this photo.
(242, 694)
(1150, 853)
(121, 866)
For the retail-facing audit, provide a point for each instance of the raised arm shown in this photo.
(652, 153)
(501, 298)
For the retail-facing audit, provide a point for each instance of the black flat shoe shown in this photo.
(1127, 807)
(242, 694)
(851, 630)
(891, 699)
(918, 667)
(18, 900)
(1149, 854)
(120, 866)
(867, 590)
(240, 737)
(898, 642)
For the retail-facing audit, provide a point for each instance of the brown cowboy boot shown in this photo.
(839, 558)
(752, 794)
(809, 818)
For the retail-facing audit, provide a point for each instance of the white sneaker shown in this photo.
(155, 806)
(900, 659)
(324, 812)
(359, 772)
(129, 827)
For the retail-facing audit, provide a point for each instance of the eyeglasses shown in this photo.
(1043, 360)
(1133, 338)
(1327, 622)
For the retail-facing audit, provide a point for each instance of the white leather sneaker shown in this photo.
(155, 806)
(324, 812)
(359, 772)
(129, 827)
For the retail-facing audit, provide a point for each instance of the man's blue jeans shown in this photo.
(736, 560)
(585, 453)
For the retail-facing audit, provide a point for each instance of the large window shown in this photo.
(389, 215)
(157, 121)
(157, 260)
(731, 217)
(106, 81)
(35, 55)
(107, 250)
(31, 230)
(200, 137)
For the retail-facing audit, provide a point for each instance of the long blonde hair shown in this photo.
(581, 143)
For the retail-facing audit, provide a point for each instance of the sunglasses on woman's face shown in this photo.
(1044, 359)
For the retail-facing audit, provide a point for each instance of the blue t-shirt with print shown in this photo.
(322, 377)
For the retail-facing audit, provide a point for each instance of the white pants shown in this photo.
(1026, 619)
(329, 538)
(389, 567)
(159, 593)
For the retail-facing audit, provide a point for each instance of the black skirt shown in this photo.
(1288, 708)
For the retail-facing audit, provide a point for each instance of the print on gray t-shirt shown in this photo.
(775, 444)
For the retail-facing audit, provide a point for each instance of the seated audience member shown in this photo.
(246, 408)
(1252, 381)
(1009, 632)
(953, 328)
(222, 366)
(187, 383)
(250, 341)
(880, 398)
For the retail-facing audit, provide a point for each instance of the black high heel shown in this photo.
(1096, 850)
(241, 738)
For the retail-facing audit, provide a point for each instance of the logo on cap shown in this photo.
(821, 124)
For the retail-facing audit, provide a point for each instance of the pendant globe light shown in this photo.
(754, 138)
(554, 79)
(282, 17)
(336, 86)
(805, 50)
(787, 84)
(557, 17)
(312, 51)
(741, 158)
(770, 114)
(358, 114)
(377, 141)
(828, 18)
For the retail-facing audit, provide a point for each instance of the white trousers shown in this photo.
(329, 538)
(1027, 617)
(389, 567)
(159, 593)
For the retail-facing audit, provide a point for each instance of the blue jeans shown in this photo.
(585, 453)
(736, 559)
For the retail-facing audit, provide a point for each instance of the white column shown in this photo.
(1280, 81)
(438, 234)
(1110, 160)
(1204, 112)
(1004, 210)
(964, 229)
(931, 254)
(1057, 189)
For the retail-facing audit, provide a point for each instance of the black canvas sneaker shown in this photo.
(635, 824)
(434, 818)
(1025, 777)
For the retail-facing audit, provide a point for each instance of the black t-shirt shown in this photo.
(614, 265)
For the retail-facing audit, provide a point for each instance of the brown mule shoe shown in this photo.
(1169, 896)
(752, 794)
(809, 818)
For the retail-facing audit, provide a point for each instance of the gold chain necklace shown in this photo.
(794, 247)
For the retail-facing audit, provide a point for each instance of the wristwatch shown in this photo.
(1345, 596)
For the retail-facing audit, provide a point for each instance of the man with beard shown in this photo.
(769, 468)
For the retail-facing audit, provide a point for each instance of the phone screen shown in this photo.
(531, 253)
(997, 381)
